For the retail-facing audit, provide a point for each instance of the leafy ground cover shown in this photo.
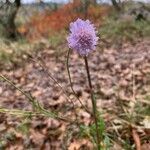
(120, 70)
(121, 82)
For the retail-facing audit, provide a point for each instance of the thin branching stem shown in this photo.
(28, 96)
(36, 105)
(44, 67)
(93, 103)
(18, 112)
(71, 84)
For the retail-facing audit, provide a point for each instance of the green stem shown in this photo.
(71, 84)
(93, 104)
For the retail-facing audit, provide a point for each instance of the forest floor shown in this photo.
(121, 80)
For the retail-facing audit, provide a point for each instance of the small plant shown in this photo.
(83, 40)
(90, 132)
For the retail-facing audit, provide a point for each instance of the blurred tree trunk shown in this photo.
(7, 18)
(116, 5)
(86, 4)
(55, 6)
(94, 2)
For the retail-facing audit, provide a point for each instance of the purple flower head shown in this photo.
(83, 37)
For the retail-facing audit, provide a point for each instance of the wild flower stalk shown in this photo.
(83, 40)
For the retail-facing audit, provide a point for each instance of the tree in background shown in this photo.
(94, 2)
(116, 5)
(8, 14)
(86, 4)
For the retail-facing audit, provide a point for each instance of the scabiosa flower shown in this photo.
(83, 37)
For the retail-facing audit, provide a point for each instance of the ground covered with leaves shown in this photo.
(121, 80)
